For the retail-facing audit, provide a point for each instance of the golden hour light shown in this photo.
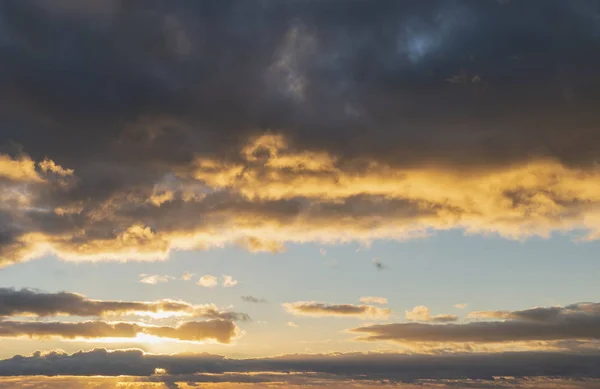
(246, 194)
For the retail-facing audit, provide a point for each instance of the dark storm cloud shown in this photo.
(221, 331)
(395, 367)
(132, 128)
(577, 321)
(15, 302)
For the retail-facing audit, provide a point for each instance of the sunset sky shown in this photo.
(294, 193)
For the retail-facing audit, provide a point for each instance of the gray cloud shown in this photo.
(15, 302)
(373, 366)
(313, 308)
(540, 314)
(296, 381)
(220, 330)
(291, 120)
(254, 300)
(577, 321)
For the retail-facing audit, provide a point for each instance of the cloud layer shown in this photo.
(222, 331)
(27, 302)
(373, 366)
(392, 119)
(573, 322)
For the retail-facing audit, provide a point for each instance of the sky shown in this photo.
(299, 193)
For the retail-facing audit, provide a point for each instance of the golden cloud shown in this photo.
(272, 194)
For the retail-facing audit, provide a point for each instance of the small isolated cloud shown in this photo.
(153, 279)
(313, 308)
(228, 281)
(374, 300)
(461, 305)
(207, 281)
(421, 313)
(187, 276)
(323, 251)
(254, 300)
(378, 264)
(292, 324)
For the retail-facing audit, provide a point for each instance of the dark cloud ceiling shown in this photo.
(162, 120)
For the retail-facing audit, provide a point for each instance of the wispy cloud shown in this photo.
(374, 300)
(378, 264)
(252, 299)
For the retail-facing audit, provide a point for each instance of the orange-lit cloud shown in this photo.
(374, 300)
(421, 313)
(222, 331)
(276, 194)
(313, 308)
(542, 326)
(208, 281)
(26, 302)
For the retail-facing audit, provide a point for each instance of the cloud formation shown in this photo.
(573, 322)
(222, 331)
(27, 302)
(153, 279)
(313, 308)
(254, 300)
(207, 281)
(374, 300)
(228, 281)
(356, 366)
(421, 313)
(183, 148)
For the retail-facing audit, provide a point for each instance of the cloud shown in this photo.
(207, 281)
(573, 322)
(374, 300)
(292, 324)
(541, 314)
(323, 368)
(270, 380)
(461, 305)
(154, 279)
(228, 281)
(254, 300)
(313, 308)
(323, 252)
(377, 263)
(222, 331)
(421, 313)
(187, 276)
(307, 137)
(26, 302)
